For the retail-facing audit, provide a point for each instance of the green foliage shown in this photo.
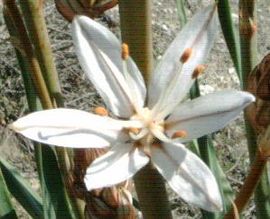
(229, 33)
(6, 208)
(56, 203)
(21, 190)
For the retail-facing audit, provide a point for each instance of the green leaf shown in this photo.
(6, 208)
(56, 203)
(181, 12)
(53, 187)
(208, 154)
(233, 43)
(21, 190)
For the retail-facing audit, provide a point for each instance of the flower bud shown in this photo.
(90, 8)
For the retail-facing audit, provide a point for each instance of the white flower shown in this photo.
(148, 127)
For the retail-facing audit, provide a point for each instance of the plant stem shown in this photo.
(36, 26)
(137, 33)
(248, 37)
(248, 41)
(31, 66)
(25, 47)
(136, 30)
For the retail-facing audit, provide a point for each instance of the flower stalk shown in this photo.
(150, 186)
(32, 11)
(136, 31)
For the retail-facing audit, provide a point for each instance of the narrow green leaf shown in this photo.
(55, 204)
(55, 200)
(21, 190)
(10, 215)
(208, 154)
(6, 208)
(181, 12)
(53, 183)
(228, 29)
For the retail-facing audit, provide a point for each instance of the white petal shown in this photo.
(117, 165)
(207, 114)
(136, 82)
(105, 76)
(188, 176)
(71, 128)
(102, 37)
(99, 52)
(198, 34)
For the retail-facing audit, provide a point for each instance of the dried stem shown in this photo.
(248, 41)
(35, 24)
(253, 178)
(26, 47)
(137, 33)
(250, 183)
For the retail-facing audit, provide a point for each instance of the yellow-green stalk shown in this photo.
(136, 31)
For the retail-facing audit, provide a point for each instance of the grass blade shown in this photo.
(181, 12)
(21, 190)
(55, 199)
(233, 43)
(6, 208)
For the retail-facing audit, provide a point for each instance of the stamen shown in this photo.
(134, 130)
(156, 145)
(141, 134)
(125, 51)
(198, 71)
(179, 134)
(101, 111)
(186, 55)
(138, 144)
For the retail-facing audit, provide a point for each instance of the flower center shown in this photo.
(150, 126)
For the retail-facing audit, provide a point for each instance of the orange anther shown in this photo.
(186, 55)
(156, 145)
(198, 71)
(179, 134)
(101, 111)
(134, 130)
(125, 51)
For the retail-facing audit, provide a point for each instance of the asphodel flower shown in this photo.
(145, 126)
